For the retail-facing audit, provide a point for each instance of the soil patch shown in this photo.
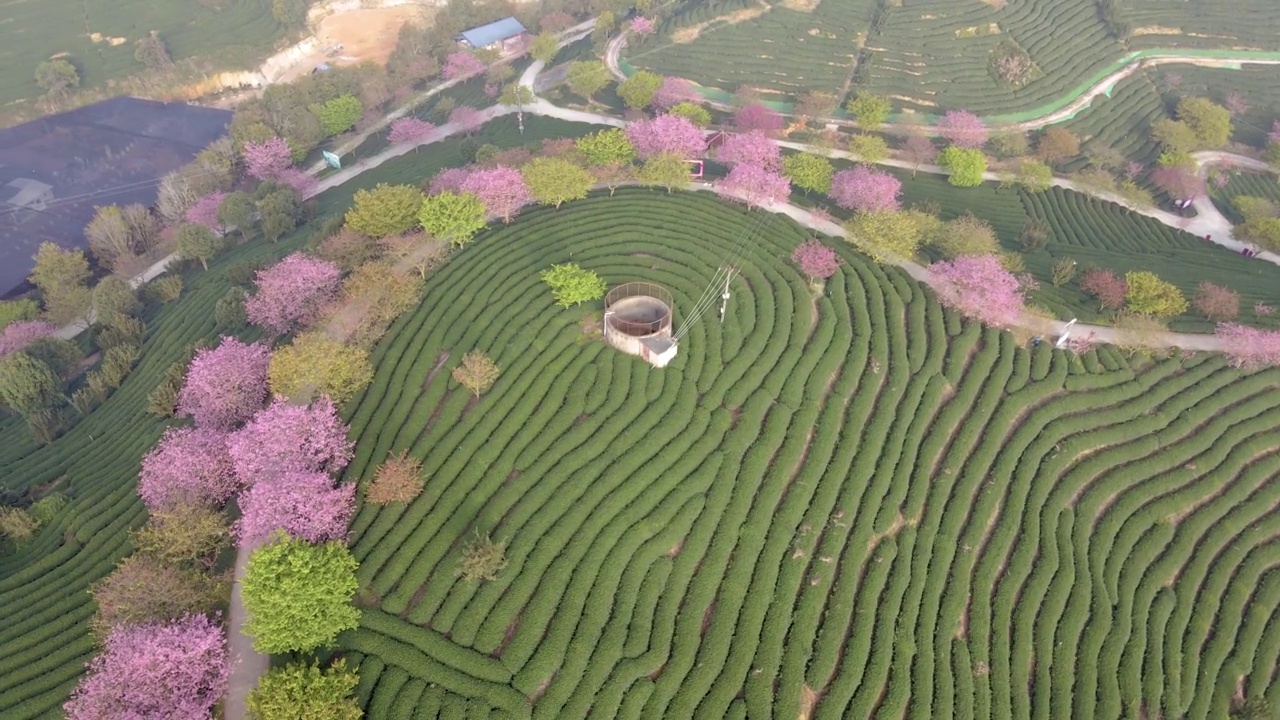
(368, 34)
(691, 33)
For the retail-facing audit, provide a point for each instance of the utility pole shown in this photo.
(724, 299)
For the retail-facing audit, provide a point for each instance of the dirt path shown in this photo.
(247, 664)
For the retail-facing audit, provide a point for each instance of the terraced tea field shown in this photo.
(844, 505)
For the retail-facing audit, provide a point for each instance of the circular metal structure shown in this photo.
(637, 321)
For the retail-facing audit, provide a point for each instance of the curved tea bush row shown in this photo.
(848, 504)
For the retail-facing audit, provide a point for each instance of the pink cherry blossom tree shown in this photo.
(980, 287)
(19, 334)
(449, 180)
(667, 133)
(226, 384)
(501, 189)
(816, 260)
(409, 130)
(753, 148)
(267, 159)
(754, 185)
(1274, 135)
(189, 466)
(205, 211)
(757, 116)
(1248, 347)
(963, 128)
(286, 437)
(672, 92)
(160, 671)
(466, 118)
(640, 25)
(302, 503)
(462, 65)
(1181, 182)
(292, 292)
(864, 189)
(300, 180)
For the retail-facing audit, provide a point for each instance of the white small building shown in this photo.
(503, 35)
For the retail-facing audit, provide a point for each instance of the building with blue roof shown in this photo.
(503, 35)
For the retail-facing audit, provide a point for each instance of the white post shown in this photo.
(1066, 333)
(724, 299)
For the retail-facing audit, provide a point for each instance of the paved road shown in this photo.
(247, 664)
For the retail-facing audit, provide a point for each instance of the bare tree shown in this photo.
(144, 228)
(110, 238)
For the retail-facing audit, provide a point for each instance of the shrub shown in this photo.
(228, 312)
(477, 372)
(398, 480)
(482, 559)
(164, 289)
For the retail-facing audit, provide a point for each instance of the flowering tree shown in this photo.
(753, 148)
(862, 188)
(756, 116)
(409, 130)
(205, 210)
(1181, 182)
(1248, 347)
(816, 260)
(449, 180)
(292, 292)
(979, 286)
(963, 128)
(304, 504)
(189, 466)
(267, 159)
(641, 25)
(1109, 288)
(501, 189)
(17, 335)
(918, 150)
(1216, 302)
(674, 91)
(462, 65)
(667, 133)
(466, 119)
(226, 384)
(170, 671)
(302, 182)
(754, 185)
(285, 437)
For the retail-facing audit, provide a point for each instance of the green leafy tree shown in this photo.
(1210, 122)
(1174, 136)
(1151, 296)
(692, 112)
(869, 148)
(152, 52)
(183, 535)
(453, 217)
(197, 242)
(966, 166)
(886, 235)
(290, 13)
(61, 355)
(477, 372)
(12, 311)
(57, 76)
(606, 147)
(236, 211)
(966, 235)
(60, 275)
(666, 170)
(517, 95)
(637, 91)
(571, 285)
(339, 114)
(555, 181)
(314, 364)
(18, 525)
(869, 110)
(808, 171)
(114, 300)
(384, 210)
(544, 47)
(278, 212)
(1034, 175)
(298, 596)
(587, 78)
(27, 385)
(305, 692)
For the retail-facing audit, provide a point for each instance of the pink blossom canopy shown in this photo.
(980, 287)
(466, 118)
(205, 211)
(674, 91)
(226, 384)
(754, 185)
(757, 116)
(862, 188)
(449, 180)
(1183, 183)
(409, 130)
(171, 671)
(1248, 347)
(641, 25)
(667, 133)
(21, 333)
(501, 189)
(267, 159)
(302, 182)
(284, 438)
(292, 292)
(815, 259)
(304, 504)
(753, 148)
(189, 465)
(462, 65)
(963, 128)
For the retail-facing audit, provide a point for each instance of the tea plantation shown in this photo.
(848, 504)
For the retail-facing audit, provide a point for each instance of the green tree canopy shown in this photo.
(57, 76)
(298, 596)
(384, 210)
(27, 385)
(15, 310)
(869, 148)
(1210, 122)
(197, 242)
(966, 235)
(1149, 295)
(236, 211)
(586, 78)
(305, 692)
(1034, 175)
(887, 235)
(808, 171)
(544, 47)
(692, 112)
(637, 91)
(1174, 136)
(606, 147)
(666, 170)
(453, 217)
(339, 114)
(555, 181)
(314, 364)
(114, 300)
(869, 110)
(571, 285)
(965, 165)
